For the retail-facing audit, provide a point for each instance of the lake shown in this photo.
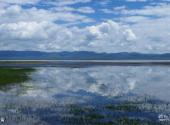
(96, 95)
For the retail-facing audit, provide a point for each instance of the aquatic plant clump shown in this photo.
(14, 75)
(142, 112)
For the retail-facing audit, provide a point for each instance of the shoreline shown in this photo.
(81, 63)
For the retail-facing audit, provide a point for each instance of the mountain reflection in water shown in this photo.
(118, 95)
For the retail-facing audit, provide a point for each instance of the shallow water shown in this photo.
(89, 96)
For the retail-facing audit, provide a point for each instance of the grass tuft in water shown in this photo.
(14, 75)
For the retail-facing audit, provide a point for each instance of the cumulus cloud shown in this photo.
(112, 35)
(50, 36)
(23, 31)
(150, 24)
(62, 26)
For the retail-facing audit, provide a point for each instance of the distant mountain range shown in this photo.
(79, 55)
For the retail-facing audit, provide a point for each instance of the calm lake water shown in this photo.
(108, 95)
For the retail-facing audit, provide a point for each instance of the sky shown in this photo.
(109, 26)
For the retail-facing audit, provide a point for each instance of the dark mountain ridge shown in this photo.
(79, 55)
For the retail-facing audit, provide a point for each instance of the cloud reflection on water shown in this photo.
(39, 99)
(103, 81)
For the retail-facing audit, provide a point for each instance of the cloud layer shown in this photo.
(53, 37)
(75, 25)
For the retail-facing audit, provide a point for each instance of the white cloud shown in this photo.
(137, 0)
(52, 37)
(112, 35)
(104, 2)
(55, 2)
(24, 31)
(86, 10)
(159, 10)
(151, 27)
(57, 28)
(19, 1)
(65, 2)
(130, 36)
(114, 9)
(17, 13)
(119, 8)
(71, 9)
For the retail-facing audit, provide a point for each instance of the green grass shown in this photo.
(144, 111)
(125, 107)
(14, 75)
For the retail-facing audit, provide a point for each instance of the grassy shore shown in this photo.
(14, 75)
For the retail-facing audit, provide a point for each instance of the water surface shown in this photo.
(107, 95)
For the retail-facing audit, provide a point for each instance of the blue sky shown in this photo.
(99, 6)
(88, 25)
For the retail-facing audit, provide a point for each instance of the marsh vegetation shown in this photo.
(14, 75)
